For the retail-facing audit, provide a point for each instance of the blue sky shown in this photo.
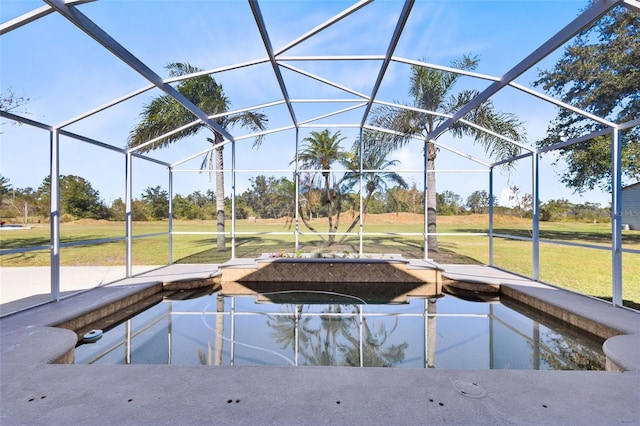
(65, 73)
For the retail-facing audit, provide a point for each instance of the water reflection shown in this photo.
(424, 333)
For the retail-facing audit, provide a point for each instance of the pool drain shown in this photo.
(470, 389)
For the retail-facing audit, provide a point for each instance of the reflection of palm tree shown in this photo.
(565, 353)
(323, 344)
(317, 346)
(374, 352)
(208, 358)
(337, 340)
(284, 326)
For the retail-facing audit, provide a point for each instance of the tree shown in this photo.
(555, 210)
(310, 196)
(522, 203)
(255, 196)
(598, 73)
(77, 197)
(184, 208)
(157, 202)
(431, 93)
(478, 202)
(405, 200)
(448, 203)
(284, 197)
(374, 157)
(320, 151)
(164, 114)
(5, 188)
(10, 102)
(15, 201)
(118, 209)
(268, 197)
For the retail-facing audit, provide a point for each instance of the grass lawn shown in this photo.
(585, 270)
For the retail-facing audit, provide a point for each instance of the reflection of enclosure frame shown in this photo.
(365, 102)
(428, 314)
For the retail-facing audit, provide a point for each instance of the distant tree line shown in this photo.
(268, 198)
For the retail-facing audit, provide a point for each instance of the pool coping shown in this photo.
(585, 313)
(619, 327)
(29, 347)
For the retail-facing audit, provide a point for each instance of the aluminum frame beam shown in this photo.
(324, 80)
(574, 141)
(604, 6)
(632, 4)
(24, 120)
(323, 26)
(103, 38)
(594, 12)
(216, 70)
(331, 114)
(196, 122)
(468, 123)
(262, 28)
(513, 84)
(108, 105)
(151, 86)
(34, 15)
(439, 144)
(402, 20)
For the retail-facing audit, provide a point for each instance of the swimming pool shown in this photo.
(303, 328)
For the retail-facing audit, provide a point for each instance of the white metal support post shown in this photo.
(170, 216)
(360, 166)
(616, 218)
(233, 200)
(361, 335)
(535, 217)
(491, 216)
(55, 213)
(425, 175)
(296, 176)
(128, 213)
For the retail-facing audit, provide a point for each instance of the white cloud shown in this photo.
(503, 199)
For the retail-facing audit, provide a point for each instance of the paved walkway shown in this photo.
(21, 288)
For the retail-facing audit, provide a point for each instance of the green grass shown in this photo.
(585, 270)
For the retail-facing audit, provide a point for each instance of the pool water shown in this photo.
(310, 330)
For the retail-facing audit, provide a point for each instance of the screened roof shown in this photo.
(89, 67)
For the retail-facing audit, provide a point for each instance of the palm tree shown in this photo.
(374, 157)
(164, 114)
(431, 90)
(322, 149)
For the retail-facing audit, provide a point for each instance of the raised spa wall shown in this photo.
(389, 280)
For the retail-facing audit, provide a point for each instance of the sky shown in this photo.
(65, 73)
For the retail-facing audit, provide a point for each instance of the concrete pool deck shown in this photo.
(34, 391)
